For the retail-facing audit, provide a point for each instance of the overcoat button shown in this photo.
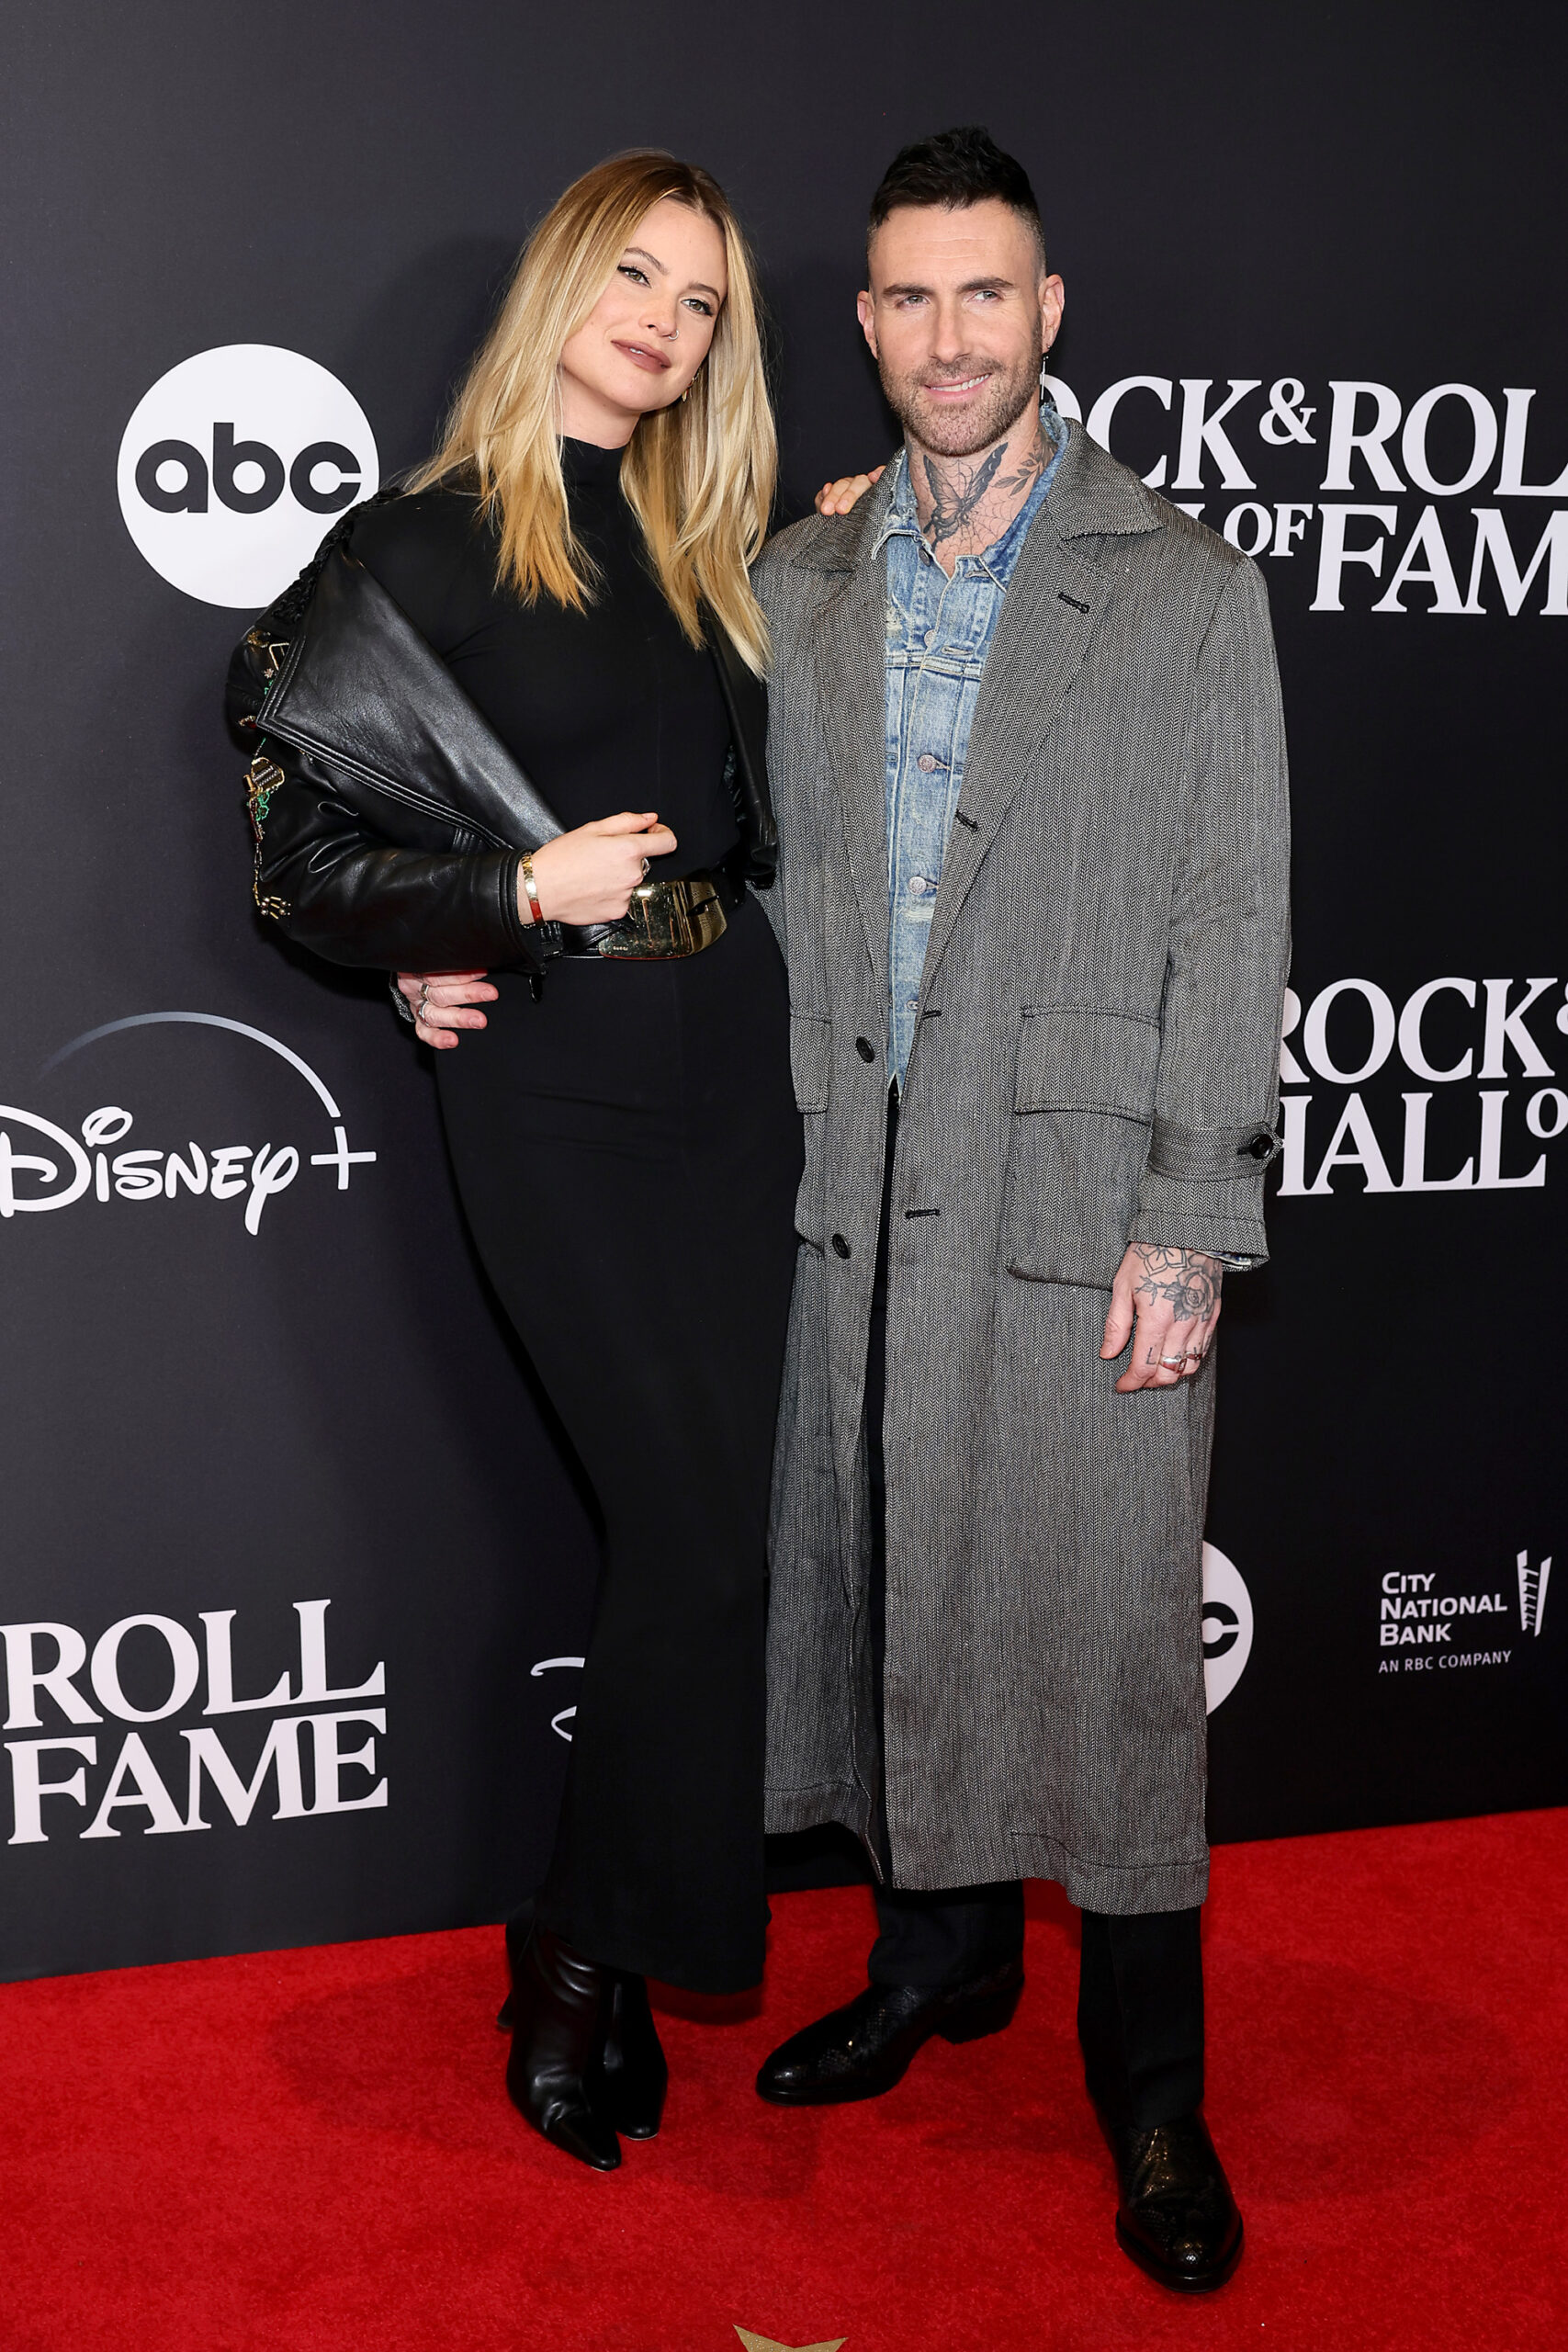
(1260, 1147)
(841, 1247)
(866, 1049)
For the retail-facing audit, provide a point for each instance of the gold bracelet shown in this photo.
(532, 888)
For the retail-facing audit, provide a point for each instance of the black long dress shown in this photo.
(627, 1150)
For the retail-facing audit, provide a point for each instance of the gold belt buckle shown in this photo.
(677, 917)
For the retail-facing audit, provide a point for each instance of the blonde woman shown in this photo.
(553, 621)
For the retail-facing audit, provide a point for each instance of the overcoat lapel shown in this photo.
(1048, 617)
(849, 677)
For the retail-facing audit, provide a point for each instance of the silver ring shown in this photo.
(422, 1009)
(1177, 1360)
(645, 870)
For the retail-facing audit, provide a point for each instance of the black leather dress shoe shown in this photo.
(1178, 2218)
(558, 1999)
(862, 2050)
(628, 2078)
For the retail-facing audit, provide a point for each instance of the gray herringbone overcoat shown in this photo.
(1095, 1061)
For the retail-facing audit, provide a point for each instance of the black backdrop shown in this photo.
(206, 1415)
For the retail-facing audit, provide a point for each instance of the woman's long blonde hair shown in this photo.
(699, 475)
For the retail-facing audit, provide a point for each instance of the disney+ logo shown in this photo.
(32, 1180)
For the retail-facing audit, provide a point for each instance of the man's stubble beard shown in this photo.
(1006, 398)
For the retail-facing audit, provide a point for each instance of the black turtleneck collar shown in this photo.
(587, 466)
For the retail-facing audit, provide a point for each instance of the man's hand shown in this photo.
(1175, 1295)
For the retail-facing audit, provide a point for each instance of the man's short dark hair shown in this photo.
(955, 169)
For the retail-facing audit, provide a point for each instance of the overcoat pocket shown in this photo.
(1083, 1111)
(810, 1058)
(811, 1062)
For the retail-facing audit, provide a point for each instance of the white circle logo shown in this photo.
(1227, 1626)
(233, 466)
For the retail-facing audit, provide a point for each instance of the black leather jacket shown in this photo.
(389, 819)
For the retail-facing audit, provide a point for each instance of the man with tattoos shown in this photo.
(1026, 747)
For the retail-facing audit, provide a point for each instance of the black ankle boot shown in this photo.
(558, 2009)
(862, 2050)
(629, 2076)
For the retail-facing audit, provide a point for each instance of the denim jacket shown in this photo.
(939, 632)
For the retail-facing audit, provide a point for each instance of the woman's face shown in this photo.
(650, 331)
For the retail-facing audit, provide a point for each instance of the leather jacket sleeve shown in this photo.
(344, 891)
(389, 819)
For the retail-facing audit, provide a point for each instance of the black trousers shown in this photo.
(629, 1150)
(1140, 1975)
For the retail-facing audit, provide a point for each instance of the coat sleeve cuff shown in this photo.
(1225, 1220)
(1210, 1154)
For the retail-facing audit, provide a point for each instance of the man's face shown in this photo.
(958, 314)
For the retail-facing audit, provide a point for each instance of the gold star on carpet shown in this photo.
(765, 2344)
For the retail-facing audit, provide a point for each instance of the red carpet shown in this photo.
(312, 2149)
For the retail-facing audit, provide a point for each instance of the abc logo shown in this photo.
(1227, 1626)
(233, 465)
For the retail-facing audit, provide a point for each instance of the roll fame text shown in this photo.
(1424, 502)
(71, 1770)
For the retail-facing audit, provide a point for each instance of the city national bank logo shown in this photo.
(32, 1181)
(1227, 1626)
(1429, 1628)
(233, 465)
(166, 1786)
(1532, 1592)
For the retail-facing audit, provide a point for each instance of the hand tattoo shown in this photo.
(1187, 1278)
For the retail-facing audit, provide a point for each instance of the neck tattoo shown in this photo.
(959, 489)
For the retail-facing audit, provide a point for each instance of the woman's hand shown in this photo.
(839, 497)
(438, 1002)
(589, 875)
(586, 875)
